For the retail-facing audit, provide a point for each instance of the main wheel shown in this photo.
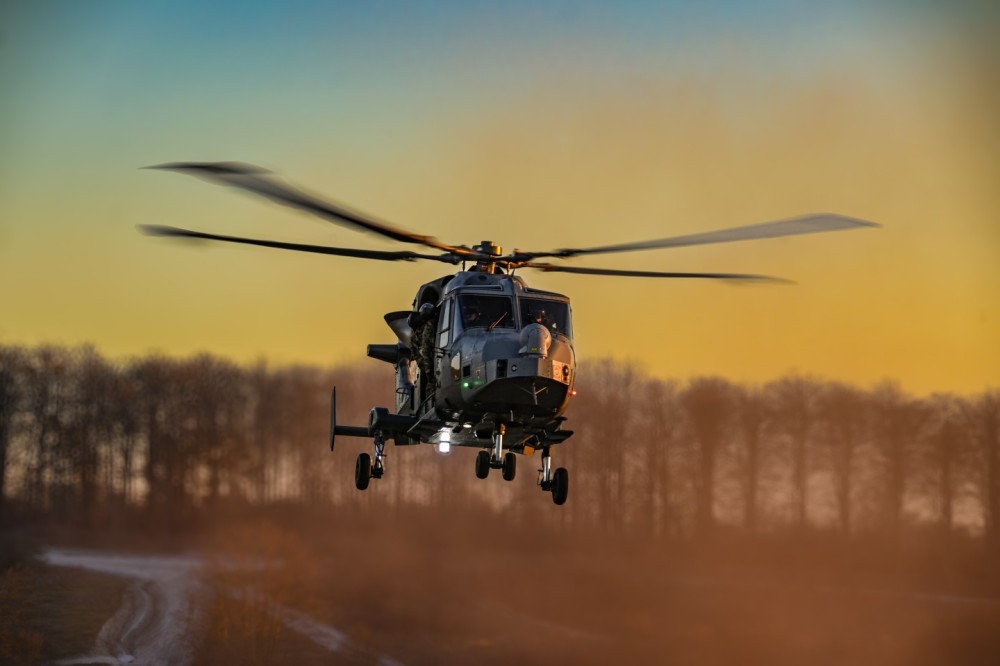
(509, 466)
(483, 464)
(560, 485)
(363, 471)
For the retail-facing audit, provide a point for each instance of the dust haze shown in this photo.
(708, 522)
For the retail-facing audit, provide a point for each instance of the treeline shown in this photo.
(162, 442)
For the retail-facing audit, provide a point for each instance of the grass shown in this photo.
(49, 613)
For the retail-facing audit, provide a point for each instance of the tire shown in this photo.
(482, 464)
(509, 466)
(560, 486)
(363, 471)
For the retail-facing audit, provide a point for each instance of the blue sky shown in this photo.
(534, 124)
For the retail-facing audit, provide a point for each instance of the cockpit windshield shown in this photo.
(486, 311)
(554, 315)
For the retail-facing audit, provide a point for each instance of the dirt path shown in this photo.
(151, 625)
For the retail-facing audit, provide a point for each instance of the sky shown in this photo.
(536, 126)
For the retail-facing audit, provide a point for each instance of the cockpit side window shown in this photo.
(444, 326)
(554, 315)
(486, 311)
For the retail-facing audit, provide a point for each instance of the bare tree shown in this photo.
(793, 403)
(946, 451)
(751, 419)
(93, 380)
(984, 419)
(48, 392)
(10, 389)
(267, 430)
(663, 410)
(214, 401)
(707, 404)
(602, 415)
(164, 418)
(127, 426)
(898, 420)
(844, 410)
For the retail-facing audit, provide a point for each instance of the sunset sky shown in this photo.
(537, 126)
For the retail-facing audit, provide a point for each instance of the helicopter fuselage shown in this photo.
(479, 350)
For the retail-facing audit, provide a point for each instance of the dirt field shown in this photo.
(430, 595)
(432, 588)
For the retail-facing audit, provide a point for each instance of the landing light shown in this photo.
(444, 442)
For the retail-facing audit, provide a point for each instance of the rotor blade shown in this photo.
(805, 224)
(743, 277)
(403, 255)
(259, 181)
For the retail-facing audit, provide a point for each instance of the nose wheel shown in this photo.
(495, 458)
(482, 464)
(509, 466)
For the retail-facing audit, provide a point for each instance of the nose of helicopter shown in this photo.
(532, 385)
(530, 369)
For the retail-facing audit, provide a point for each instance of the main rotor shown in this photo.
(487, 256)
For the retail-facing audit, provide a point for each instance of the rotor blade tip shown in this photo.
(155, 230)
(751, 279)
(211, 168)
(856, 221)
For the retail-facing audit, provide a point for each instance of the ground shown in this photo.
(429, 591)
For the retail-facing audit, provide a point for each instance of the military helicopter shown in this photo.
(481, 359)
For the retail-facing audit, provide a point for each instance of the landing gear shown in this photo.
(482, 464)
(498, 445)
(509, 466)
(365, 470)
(494, 458)
(556, 482)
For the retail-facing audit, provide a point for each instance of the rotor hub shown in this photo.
(488, 251)
(489, 248)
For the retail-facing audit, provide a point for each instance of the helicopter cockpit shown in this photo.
(553, 315)
(497, 312)
(479, 311)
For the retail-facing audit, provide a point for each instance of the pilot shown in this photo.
(539, 316)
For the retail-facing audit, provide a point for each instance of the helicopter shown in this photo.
(481, 359)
